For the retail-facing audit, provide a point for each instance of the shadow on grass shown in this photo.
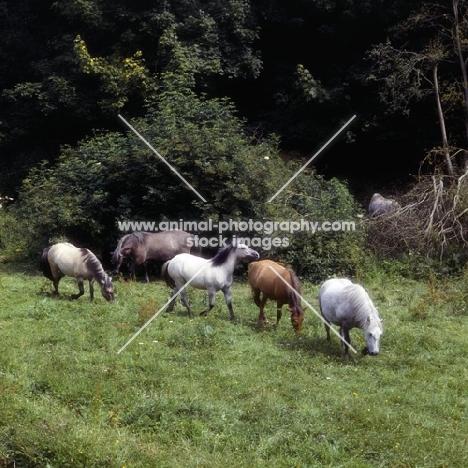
(313, 344)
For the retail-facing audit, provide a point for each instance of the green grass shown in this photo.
(209, 392)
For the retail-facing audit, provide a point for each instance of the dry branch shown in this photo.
(432, 221)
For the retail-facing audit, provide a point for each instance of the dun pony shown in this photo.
(64, 259)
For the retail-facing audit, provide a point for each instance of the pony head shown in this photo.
(244, 252)
(107, 289)
(297, 317)
(372, 335)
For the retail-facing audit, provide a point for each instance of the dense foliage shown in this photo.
(114, 177)
(296, 69)
(219, 88)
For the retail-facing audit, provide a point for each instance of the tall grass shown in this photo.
(209, 392)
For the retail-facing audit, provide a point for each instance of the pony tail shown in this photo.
(164, 274)
(44, 264)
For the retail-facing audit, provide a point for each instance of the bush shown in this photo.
(13, 238)
(432, 223)
(318, 255)
(114, 177)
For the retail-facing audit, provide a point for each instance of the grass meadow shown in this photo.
(208, 392)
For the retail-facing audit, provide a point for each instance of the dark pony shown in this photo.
(270, 280)
(158, 247)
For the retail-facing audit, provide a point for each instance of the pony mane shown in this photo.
(222, 255)
(139, 235)
(93, 264)
(294, 299)
(362, 305)
(116, 252)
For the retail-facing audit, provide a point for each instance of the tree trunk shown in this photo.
(459, 51)
(443, 131)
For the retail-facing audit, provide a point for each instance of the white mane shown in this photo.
(363, 306)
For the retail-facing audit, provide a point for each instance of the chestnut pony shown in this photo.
(264, 280)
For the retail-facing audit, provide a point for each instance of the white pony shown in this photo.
(215, 274)
(348, 305)
(380, 205)
(64, 259)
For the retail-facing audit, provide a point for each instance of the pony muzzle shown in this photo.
(366, 352)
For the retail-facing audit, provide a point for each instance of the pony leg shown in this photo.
(131, 269)
(279, 312)
(171, 304)
(211, 301)
(56, 283)
(227, 297)
(346, 341)
(146, 272)
(184, 299)
(57, 276)
(79, 281)
(260, 303)
(91, 289)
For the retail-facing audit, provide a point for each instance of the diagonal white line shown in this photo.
(162, 159)
(313, 310)
(161, 309)
(312, 158)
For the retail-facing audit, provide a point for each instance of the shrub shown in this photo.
(432, 223)
(13, 238)
(114, 177)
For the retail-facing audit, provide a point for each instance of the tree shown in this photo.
(114, 176)
(432, 40)
(69, 67)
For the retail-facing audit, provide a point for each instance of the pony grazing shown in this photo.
(348, 305)
(65, 259)
(215, 274)
(263, 280)
(150, 246)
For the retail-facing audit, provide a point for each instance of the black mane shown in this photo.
(222, 255)
(93, 263)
